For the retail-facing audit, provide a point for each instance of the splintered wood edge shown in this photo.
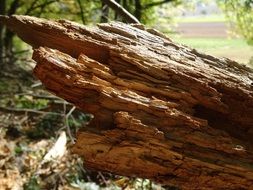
(119, 141)
(156, 103)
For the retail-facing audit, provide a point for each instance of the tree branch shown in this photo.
(2, 12)
(105, 13)
(121, 11)
(33, 7)
(149, 5)
(43, 6)
(138, 9)
(25, 110)
(81, 10)
(30, 8)
(14, 6)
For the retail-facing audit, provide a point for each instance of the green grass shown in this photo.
(194, 19)
(235, 49)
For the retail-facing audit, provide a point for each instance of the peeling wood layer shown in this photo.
(161, 110)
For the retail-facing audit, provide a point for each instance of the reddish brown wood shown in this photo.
(161, 110)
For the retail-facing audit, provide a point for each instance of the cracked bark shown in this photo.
(161, 110)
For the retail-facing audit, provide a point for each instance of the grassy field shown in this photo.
(194, 19)
(236, 49)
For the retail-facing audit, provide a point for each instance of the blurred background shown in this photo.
(33, 122)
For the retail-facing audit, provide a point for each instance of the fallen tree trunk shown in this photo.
(161, 110)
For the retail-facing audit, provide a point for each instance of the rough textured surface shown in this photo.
(161, 110)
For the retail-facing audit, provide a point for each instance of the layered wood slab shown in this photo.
(161, 110)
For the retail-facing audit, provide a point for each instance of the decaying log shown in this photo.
(161, 110)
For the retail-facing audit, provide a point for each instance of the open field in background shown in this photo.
(235, 49)
(212, 35)
(194, 19)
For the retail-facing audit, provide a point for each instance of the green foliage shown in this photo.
(79, 120)
(92, 10)
(240, 13)
(32, 184)
(18, 150)
(3, 86)
(29, 102)
(59, 9)
(46, 127)
(82, 11)
(150, 9)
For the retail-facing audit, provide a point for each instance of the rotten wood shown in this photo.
(161, 110)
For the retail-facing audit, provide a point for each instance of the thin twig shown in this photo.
(102, 177)
(66, 121)
(30, 9)
(33, 7)
(38, 96)
(71, 111)
(149, 5)
(36, 84)
(25, 110)
(15, 53)
(81, 10)
(120, 10)
(150, 185)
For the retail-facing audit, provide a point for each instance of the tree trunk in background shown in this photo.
(6, 36)
(2, 12)
(8, 46)
(161, 110)
(138, 9)
(115, 12)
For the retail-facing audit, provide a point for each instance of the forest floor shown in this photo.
(31, 122)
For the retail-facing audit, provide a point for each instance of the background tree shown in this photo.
(84, 11)
(68, 9)
(240, 13)
(143, 10)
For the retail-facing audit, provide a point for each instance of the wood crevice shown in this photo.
(161, 110)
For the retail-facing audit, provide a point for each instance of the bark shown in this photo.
(81, 10)
(2, 12)
(138, 9)
(8, 45)
(161, 110)
(6, 39)
(124, 5)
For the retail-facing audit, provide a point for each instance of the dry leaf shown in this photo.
(58, 150)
